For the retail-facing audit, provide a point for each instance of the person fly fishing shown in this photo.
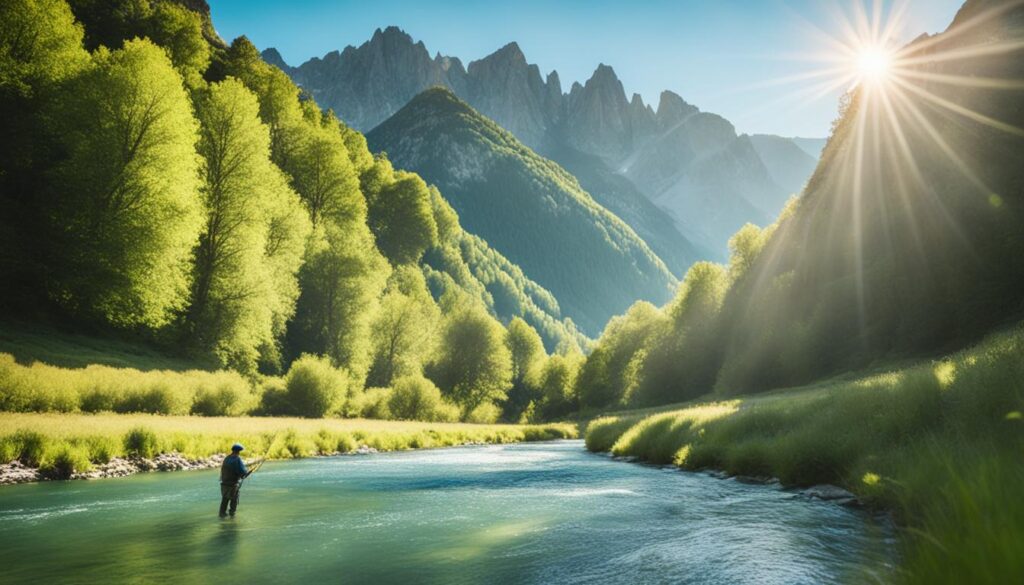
(232, 472)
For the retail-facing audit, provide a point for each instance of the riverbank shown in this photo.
(939, 444)
(84, 446)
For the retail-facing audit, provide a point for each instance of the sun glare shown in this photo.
(873, 64)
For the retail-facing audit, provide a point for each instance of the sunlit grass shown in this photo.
(940, 443)
(38, 439)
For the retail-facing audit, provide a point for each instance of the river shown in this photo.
(527, 513)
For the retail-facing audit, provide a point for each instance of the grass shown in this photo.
(939, 443)
(65, 442)
(37, 342)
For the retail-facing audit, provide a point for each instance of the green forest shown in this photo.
(170, 189)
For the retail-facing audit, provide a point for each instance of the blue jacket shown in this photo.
(232, 470)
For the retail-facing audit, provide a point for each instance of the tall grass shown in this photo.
(942, 444)
(43, 388)
(49, 440)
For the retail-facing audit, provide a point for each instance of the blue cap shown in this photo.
(237, 447)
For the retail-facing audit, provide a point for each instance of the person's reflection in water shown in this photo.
(225, 543)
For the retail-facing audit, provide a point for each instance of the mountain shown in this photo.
(593, 130)
(788, 164)
(812, 146)
(527, 207)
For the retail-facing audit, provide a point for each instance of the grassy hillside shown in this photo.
(939, 443)
(39, 342)
(526, 207)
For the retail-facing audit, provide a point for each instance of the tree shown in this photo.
(40, 47)
(402, 220)
(180, 32)
(528, 357)
(244, 281)
(557, 382)
(607, 377)
(124, 205)
(683, 358)
(340, 281)
(405, 327)
(39, 41)
(473, 366)
(325, 178)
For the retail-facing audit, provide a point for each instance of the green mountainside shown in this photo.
(526, 206)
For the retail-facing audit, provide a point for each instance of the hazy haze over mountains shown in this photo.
(705, 180)
(527, 207)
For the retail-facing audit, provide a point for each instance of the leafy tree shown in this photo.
(340, 282)
(279, 100)
(40, 46)
(405, 327)
(325, 178)
(402, 220)
(528, 357)
(608, 376)
(180, 32)
(244, 286)
(557, 383)
(39, 41)
(123, 206)
(473, 366)
(683, 357)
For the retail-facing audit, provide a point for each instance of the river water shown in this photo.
(529, 513)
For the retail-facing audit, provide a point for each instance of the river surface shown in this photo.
(528, 513)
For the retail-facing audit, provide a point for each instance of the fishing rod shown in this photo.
(259, 463)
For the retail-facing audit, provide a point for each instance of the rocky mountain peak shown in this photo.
(672, 109)
(273, 57)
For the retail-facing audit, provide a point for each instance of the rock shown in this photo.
(16, 472)
(756, 479)
(831, 493)
(365, 450)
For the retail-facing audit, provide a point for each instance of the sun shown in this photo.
(873, 64)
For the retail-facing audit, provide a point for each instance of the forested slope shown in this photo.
(526, 206)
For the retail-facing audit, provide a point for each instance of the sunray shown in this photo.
(960, 53)
(954, 107)
(939, 140)
(963, 80)
(968, 25)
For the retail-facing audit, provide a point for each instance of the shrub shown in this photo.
(274, 397)
(314, 387)
(225, 395)
(375, 403)
(141, 442)
(416, 398)
(486, 413)
(66, 461)
(29, 447)
(101, 449)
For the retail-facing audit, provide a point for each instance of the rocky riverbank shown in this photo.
(16, 472)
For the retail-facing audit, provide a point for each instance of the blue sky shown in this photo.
(725, 56)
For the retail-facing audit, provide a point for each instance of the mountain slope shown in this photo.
(620, 196)
(527, 207)
(591, 130)
(907, 240)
